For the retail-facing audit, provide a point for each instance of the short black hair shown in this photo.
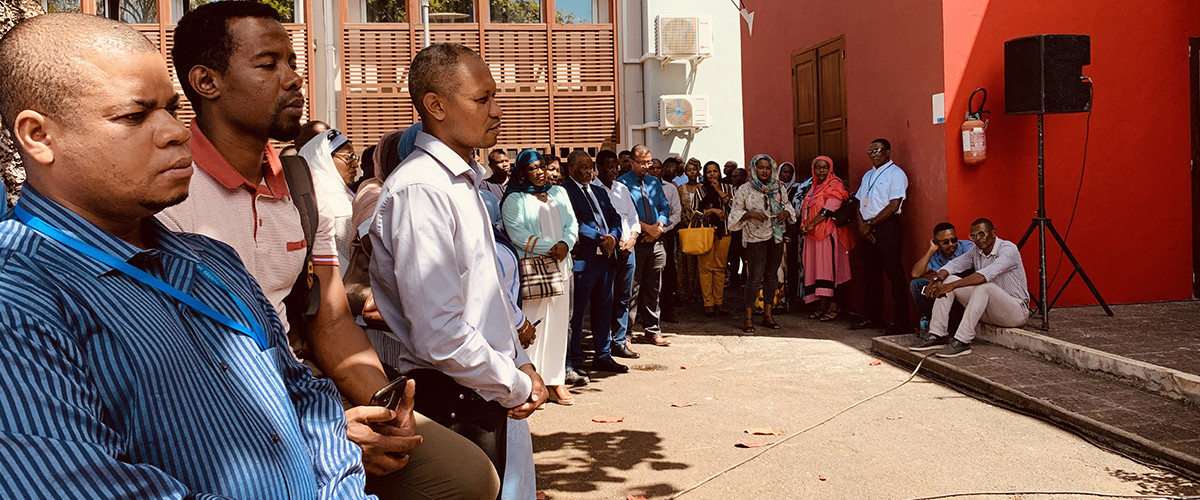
(887, 146)
(495, 153)
(605, 154)
(985, 221)
(37, 61)
(942, 226)
(672, 159)
(550, 159)
(624, 153)
(202, 38)
(431, 70)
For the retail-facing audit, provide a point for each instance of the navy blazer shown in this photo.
(589, 229)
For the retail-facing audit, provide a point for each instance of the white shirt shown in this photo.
(1002, 267)
(753, 200)
(672, 193)
(880, 186)
(436, 279)
(622, 202)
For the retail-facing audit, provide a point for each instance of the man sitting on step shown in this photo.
(995, 293)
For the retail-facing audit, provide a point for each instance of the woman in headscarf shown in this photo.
(786, 173)
(331, 157)
(826, 247)
(762, 211)
(540, 221)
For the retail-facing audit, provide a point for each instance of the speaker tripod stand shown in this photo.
(1043, 223)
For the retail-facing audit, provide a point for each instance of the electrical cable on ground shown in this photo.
(799, 432)
(1053, 493)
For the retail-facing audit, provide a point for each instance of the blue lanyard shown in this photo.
(876, 177)
(254, 330)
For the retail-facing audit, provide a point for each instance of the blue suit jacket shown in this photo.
(589, 229)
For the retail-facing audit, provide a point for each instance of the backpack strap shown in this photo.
(305, 297)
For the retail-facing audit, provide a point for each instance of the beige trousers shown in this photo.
(987, 302)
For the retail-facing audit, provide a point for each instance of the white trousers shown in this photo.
(987, 302)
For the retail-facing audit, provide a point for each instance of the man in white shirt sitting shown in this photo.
(995, 293)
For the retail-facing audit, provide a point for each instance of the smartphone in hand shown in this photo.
(390, 395)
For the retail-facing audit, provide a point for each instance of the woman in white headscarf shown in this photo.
(331, 158)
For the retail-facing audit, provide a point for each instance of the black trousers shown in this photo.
(880, 259)
(735, 271)
(461, 410)
(668, 298)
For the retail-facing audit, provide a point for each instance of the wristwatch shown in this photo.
(868, 221)
(935, 279)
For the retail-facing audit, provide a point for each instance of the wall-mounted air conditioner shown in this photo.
(684, 36)
(676, 112)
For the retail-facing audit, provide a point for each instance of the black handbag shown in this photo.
(846, 213)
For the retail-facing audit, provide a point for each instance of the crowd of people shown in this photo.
(189, 313)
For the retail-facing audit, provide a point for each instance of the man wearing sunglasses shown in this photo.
(882, 194)
(995, 293)
(944, 247)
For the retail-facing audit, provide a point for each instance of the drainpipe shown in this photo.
(329, 47)
(647, 101)
(425, 20)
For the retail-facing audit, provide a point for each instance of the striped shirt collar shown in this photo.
(208, 158)
(163, 240)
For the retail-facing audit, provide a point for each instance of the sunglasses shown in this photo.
(979, 235)
(949, 241)
(874, 151)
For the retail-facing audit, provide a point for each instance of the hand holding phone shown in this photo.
(389, 396)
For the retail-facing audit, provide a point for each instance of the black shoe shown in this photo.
(608, 365)
(573, 378)
(929, 342)
(623, 351)
(955, 349)
(864, 324)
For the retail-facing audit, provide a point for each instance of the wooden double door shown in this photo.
(819, 106)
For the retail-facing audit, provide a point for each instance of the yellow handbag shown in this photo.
(696, 240)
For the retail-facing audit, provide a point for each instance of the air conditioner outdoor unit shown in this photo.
(684, 36)
(683, 112)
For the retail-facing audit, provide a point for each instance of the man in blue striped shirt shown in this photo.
(137, 363)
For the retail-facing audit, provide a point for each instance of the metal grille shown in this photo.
(557, 85)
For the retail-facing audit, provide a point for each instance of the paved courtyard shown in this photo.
(922, 439)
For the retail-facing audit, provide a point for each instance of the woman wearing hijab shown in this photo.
(791, 252)
(762, 211)
(331, 157)
(712, 204)
(826, 246)
(540, 221)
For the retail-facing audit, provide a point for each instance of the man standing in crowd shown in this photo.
(944, 247)
(599, 231)
(143, 363)
(664, 171)
(881, 195)
(622, 201)
(996, 293)
(731, 166)
(625, 156)
(240, 196)
(499, 165)
(653, 212)
(735, 274)
(434, 270)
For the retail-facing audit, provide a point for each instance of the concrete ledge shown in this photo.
(895, 348)
(1156, 379)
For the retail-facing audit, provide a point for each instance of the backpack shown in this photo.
(305, 298)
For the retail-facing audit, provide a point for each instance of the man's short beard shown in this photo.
(281, 129)
(160, 205)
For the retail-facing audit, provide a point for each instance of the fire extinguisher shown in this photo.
(974, 141)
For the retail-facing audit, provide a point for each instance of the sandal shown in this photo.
(831, 315)
(817, 314)
(748, 326)
(769, 322)
(557, 397)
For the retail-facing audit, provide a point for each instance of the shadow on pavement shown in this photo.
(607, 456)
(1157, 483)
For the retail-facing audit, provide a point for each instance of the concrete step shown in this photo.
(1107, 411)
(1160, 380)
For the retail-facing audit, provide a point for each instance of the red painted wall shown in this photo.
(893, 67)
(1132, 226)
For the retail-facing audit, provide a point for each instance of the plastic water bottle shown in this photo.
(924, 323)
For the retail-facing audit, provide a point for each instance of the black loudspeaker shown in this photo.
(1042, 74)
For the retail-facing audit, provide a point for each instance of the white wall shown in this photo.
(719, 77)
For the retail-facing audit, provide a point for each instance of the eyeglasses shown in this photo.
(949, 241)
(347, 157)
(979, 235)
(874, 151)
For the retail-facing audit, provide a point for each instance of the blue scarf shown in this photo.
(516, 181)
